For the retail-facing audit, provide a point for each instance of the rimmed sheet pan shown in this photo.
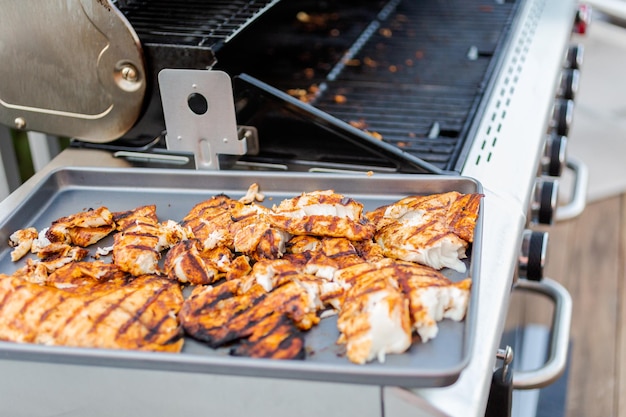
(438, 362)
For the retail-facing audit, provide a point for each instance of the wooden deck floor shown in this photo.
(587, 256)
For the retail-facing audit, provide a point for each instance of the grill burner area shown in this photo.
(407, 76)
(411, 73)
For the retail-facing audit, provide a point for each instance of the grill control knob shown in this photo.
(574, 57)
(533, 253)
(568, 84)
(544, 201)
(562, 116)
(554, 156)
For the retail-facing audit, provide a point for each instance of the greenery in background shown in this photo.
(23, 155)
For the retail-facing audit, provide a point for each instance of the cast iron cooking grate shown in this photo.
(193, 23)
(418, 80)
(412, 73)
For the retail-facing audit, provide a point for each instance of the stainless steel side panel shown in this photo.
(33, 389)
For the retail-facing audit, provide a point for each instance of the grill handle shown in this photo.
(578, 200)
(559, 338)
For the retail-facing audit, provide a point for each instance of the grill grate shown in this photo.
(196, 23)
(411, 72)
(418, 80)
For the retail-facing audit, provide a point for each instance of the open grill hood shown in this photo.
(398, 83)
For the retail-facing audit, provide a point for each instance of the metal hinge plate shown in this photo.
(199, 112)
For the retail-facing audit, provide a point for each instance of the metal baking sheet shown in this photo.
(436, 363)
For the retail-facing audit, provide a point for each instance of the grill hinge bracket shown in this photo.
(199, 112)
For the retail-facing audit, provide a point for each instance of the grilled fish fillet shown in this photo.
(82, 229)
(125, 219)
(187, 262)
(211, 221)
(374, 318)
(255, 236)
(184, 263)
(322, 213)
(433, 230)
(21, 242)
(114, 311)
(77, 277)
(269, 274)
(272, 273)
(230, 265)
(140, 239)
(37, 271)
(136, 254)
(69, 254)
(432, 297)
(273, 337)
(252, 195)
(220, 315)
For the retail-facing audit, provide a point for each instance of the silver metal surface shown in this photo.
(559, 339)
(506, 356)
(508, 143)
(70, 68)
(174, 192)
(531, 354)
(504, 158)
(578, 199)
(45, 389)
(199, 114)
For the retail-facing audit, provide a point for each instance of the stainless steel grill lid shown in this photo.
(71, 68)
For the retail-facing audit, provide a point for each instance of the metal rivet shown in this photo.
(20, 123)
(129, 73)
(506, 355)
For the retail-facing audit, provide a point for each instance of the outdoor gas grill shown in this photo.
(166, 99)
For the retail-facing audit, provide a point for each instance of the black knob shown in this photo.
(554, 156)
(562, 117)
(544, 201)
(533, 254)
(574, 57)
(568, 84)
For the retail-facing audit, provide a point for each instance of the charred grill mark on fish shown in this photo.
(243, 316)
(136, 316)
(99, 315)
(275, 337)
